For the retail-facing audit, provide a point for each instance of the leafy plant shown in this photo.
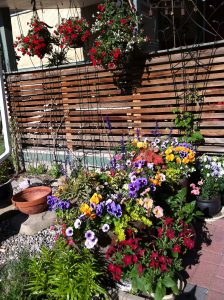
(6, 170)
(55, 170)
(40, 169)
(14, 277)
(181, 209)
(66, 273)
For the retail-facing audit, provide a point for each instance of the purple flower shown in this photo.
(152, 187)
(133, 178)
(90, 235)
(114, 209)
(142, 182)
(105, 227)
(99, 208)
(92, 205)
(69, 231)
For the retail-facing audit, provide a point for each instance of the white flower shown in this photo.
(105, 227)
(77, 223)
(89, 244)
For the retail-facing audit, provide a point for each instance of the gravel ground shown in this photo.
(12, 246)
(11, 242)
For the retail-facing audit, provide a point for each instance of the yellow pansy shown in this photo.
(170, 157)
(169, 150)
(96, 198)
(185, 160)
(85, 209)
(134, 142)
(178, 160)
(140, 145)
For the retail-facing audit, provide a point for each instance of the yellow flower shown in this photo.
(168, 150)
(85, 209)
(191, 155)
(134, 142)
(185, 160)
(145, 145)
(140, 201)
(170, 157)
(96, 198)
(140, 145)
(178, 160)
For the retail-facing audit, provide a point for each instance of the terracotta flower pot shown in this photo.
(32, 200)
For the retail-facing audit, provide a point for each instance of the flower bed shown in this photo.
(136, 213)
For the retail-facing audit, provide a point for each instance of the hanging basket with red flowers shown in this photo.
(118, 32)
(73, 32)
(38, 40)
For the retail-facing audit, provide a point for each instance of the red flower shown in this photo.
(176, 248)
(140, 269)
(168, 221)
(163, 268)
(170, 233)
(101, 7)
(154, 264)
(123, 21)
(162, 259)
(127, 259)
(141, 252)
(116, 53)
(97, 43)
(129, 232)
(135, 259)
(154, 255)
(189, 243)
(160, 232)
(111, 268)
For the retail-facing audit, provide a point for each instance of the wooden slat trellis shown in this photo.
(73, 106)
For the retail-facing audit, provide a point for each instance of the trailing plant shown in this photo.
(118, 34)
(66, 272)
(14, 277)
(38, 40)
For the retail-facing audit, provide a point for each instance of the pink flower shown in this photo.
(200, 182)
(192, 185)
(196, 191)
(158, 212)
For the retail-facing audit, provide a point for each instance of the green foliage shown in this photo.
(13, 279)
(6, 170)
(182, 209)
(80, 188)
(66, 273)
(55, 170)
(39, 170)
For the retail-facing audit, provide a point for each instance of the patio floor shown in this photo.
(205, 269)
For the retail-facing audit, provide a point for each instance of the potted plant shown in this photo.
(72, 32)
(118, 34)
(38, 40)
(207, 190)
(6, 173)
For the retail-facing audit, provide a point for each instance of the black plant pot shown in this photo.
(6, 193)
(210, 207)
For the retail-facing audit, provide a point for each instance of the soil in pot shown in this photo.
(210, 207)
(6, 193)
(32, 200)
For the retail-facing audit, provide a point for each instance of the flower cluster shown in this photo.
(55, 203)
(38, 40)
(211, 171)
(73, 32)
(117, 29)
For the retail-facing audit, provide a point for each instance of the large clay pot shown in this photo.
(32, 200)
(6, 193)
(210, 207)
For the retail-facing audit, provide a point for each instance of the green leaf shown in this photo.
(169, 282)
(160, 291)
